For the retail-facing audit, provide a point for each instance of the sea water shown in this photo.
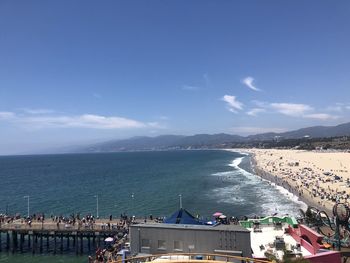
(137, 183)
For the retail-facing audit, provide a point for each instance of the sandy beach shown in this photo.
(319, 178)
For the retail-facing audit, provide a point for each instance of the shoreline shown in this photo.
(319, 178)
(274, 179)
(277, 181)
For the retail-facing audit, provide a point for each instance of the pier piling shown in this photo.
(41, 242)
(21, 237)
(61, 243)
(81, 244)
(28, 240)
(8, 241)
(54, 244)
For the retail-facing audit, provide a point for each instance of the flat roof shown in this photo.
(220, 227)
(267, 236)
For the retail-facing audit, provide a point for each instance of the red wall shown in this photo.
(326, 257)
(313, 236)
(315, 246)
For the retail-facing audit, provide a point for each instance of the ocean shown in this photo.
(136, 183)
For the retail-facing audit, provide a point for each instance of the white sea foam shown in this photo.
(290, 196)
(242, 152)
(228, 195)
(236, 162)
(270, 202)
(224, 173)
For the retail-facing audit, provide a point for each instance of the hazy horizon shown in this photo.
(81, 72)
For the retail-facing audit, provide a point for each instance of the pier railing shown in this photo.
(102, 226)
(191, 258)
(51, 236)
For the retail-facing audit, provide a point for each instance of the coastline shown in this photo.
(259, 171)
(278, 181)
(275, 182)
(321, 178)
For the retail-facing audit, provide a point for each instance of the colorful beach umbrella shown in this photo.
(109, 239)
(216, 214)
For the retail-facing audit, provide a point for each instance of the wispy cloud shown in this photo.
(338, 107)
(81, 121)
(248, 81)
(163, 118)
(6, 115)
(232, 103)
(291, 109)
(301, 110)
(260, 104)
(321, 116)
(37, 111)
(255, 111)
(156, 125)
(190, 87)
(90, 121)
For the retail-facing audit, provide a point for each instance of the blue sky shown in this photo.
(76, 72)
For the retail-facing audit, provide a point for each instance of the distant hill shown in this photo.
(200, 141)
(313, 132)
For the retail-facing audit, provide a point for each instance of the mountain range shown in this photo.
(200, 141)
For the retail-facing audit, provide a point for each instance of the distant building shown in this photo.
(156, 238)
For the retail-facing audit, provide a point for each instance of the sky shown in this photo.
(77, 72)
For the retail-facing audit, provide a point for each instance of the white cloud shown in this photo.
(248, 81)
(81, 121)
(232, 103)
(156, 125)
(321, 116)
(297, 110)
(162, 117)
(5, 115)
(246, 130)
(35, 120)
(255, 111)
(338, 107)
(37, 111)
(190, 88)
(291, 109)
(260, 104)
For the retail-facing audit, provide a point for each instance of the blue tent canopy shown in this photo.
(182, 216)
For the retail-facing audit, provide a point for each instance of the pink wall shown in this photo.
(326, 257)
(316, 245)
(313, 236)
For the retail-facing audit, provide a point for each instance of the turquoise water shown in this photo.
(208, 181)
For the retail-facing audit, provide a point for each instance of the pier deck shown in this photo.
(52, 236)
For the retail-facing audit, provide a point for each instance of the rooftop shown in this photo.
(263, 238)
(220, 227)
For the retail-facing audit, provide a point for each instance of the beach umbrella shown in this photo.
(216, 214)
(222, 216)
(109, 239)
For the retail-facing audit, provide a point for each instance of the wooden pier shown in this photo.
(55, 238)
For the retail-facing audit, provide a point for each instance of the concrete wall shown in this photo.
(193, 240)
